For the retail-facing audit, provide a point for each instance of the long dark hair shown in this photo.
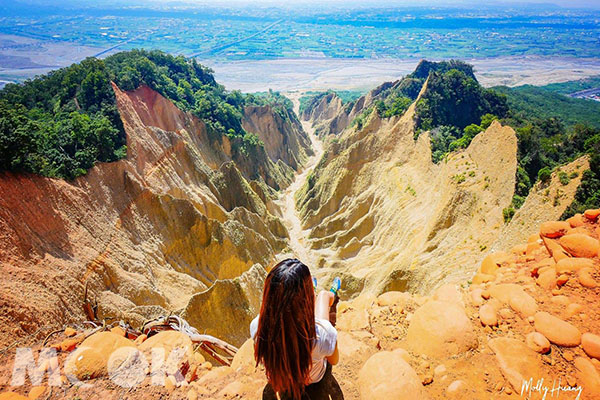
(286, 327)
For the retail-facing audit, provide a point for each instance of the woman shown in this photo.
(293, 337)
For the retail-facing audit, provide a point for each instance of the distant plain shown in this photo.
(253, 49)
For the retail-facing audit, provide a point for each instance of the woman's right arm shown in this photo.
(324, 301)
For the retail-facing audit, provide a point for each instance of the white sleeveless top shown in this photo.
(324, 346)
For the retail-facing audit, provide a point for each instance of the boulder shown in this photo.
(588, 377)
(387, 376)
(487, 315)
(70, 332)
(349, 347)
(480, 278)
(90, 360)
(556, 330)
(178, 350)
(573, 265)
(448, 293)
(573, 308)
(576, 220)
(523, 304)
(554, 229)
(591, 345)
(580, 245)
(440, 329)
(537, 342)
(592, 214)
(393, 298)
(457, 389)
(514, 295)
(12, 396)
(36, 392)
(585, 278)
(555, 249)
(517, 361)
(547, 279)
(489, 265)
(476, 297)
(244, 358)
(519, 249)
(504, 291)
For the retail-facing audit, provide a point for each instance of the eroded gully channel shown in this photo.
(298, 243)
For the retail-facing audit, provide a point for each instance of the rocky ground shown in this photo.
(527, 314)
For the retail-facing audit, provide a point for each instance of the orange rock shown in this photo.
(561, 300)
(489, 266)
(554, 229)
(68, 344)
(487, 315)
(12, 396)
(70, 332)
(576, 220)
(393, 298)
(480, 278)
(117, 330)
(170, 341)
(90, 360)
(573, 308)
(555, 249)
(386, 375)
(592, 214)
(556, 330)
(580, 245)
(140, 339)
(438, 328)
(591, 345)
(562, 279)
(517, 361)
(573, 265)
(547, 279)
(585, 278)
(532, 247)
(36, 392)
(537, 342)
(580, 230)
(588, 376)
(519, 249)
(533, 238)
(476, 297)
(244, 358)
(523, 304)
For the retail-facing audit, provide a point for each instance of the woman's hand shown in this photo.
(324, 301)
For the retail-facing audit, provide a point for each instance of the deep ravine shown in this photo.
(298, 242)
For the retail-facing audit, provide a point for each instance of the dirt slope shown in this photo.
(144, 233)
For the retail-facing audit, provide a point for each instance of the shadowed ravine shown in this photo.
(298, 243)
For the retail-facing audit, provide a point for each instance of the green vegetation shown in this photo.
(60, 124)
(531, 102)
(311, 98)
(563, 178)
(573, 86)
(445, 139)
(588, 192)
(545, 144)
(280, 104)
(454, 98)
(360, 120)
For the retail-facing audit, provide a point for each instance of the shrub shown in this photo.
(544, 175)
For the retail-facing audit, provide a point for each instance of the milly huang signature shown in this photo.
(546, 391)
